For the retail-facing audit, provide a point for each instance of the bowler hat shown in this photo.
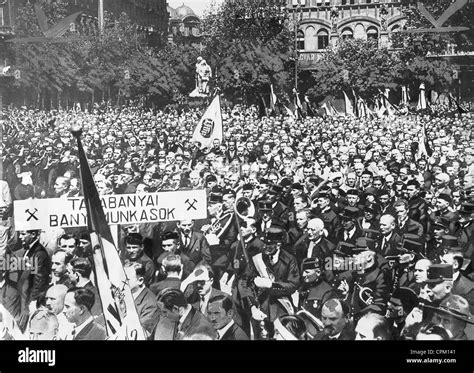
(247, 186)
(411, 246)
(456, 306)
(383, 192)
(439, 272)
(350, 212)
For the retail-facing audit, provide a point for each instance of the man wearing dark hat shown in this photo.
(135, 253)
(462, 285)
(443, 201)
(440, 228)
(464, 229)
(417, 207)
(275, 277)
(370, 288)
(438, 285)
(220, 231)
(314, 290)
(325, 212)
(453, 315)
(401, 303)
(170, 245)
(349, 230)
(369, 220)
(353, 198)
(280, 211)
(385, 200)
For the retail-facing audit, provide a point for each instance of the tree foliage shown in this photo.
(249, 48)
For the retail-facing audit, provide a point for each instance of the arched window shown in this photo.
(323, 39)
(396, 28)
(300, 40)
(372, 33)
(347, 33)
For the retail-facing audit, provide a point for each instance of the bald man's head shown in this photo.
(55, 298)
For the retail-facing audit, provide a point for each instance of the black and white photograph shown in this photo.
(294, 176)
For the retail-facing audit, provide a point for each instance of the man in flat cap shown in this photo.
(280, 211)
(440, 228)
(325, 212)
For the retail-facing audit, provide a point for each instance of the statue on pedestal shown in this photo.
(203, 75)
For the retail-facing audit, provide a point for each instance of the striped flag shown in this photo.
(121, 317)
(10, 326)
(210, 125)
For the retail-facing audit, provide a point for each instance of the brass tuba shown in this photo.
(244, 208)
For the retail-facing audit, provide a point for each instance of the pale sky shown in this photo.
(197, 5)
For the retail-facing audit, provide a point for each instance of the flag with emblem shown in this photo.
(348, 103)
(121, 317)
(210, 125)
(273, 99)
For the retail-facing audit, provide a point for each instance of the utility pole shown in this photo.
(101, 16)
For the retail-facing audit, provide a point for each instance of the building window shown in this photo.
(347, 33)
(323, 39)
(372, 33)
(300, 41)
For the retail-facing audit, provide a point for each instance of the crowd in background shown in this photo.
(318, 228)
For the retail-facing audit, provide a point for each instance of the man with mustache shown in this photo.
(336, 320)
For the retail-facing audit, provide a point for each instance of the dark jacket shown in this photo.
(321, 250)
(147, 309)
(91, 332)
(235, 333)
(197, 249)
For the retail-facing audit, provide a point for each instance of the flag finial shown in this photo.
(76, 129)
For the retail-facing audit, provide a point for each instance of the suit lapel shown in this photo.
(84, 331)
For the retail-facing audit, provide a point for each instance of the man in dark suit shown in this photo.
(33, 282)
(464, 229)
(59, 273)
(179, 319)
(135, 253)
(173, 268)
(404, 223)
(417, 207)
(221, 315)
(77, 309)
(325, 213)
(145, 300)
(193, 243)
(198, 287)
(335, 315)
(349, 230)
(313, 244)
(390, 239)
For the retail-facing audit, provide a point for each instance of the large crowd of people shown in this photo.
(319, 228)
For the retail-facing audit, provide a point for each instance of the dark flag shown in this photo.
(122, 321)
